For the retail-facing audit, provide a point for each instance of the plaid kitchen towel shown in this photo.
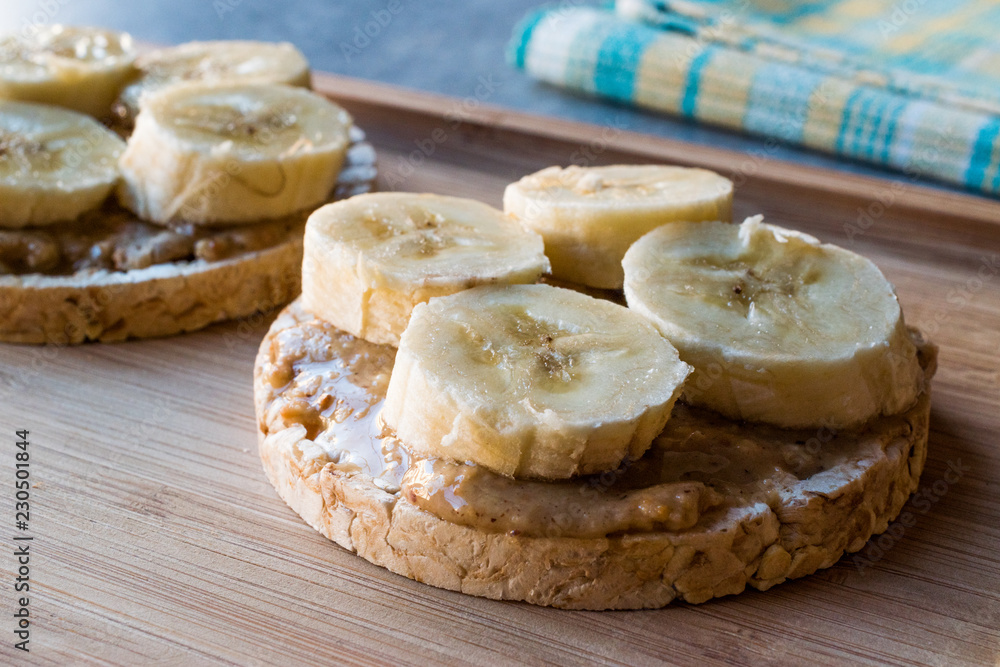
(909, 84)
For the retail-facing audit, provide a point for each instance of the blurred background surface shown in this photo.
(449, 47)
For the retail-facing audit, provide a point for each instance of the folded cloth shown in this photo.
(909, 84)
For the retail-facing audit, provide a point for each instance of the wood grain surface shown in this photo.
(157, 538)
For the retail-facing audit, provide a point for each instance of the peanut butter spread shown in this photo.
(114, 239)
(700, 467)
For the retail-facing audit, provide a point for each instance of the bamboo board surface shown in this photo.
(158, 539)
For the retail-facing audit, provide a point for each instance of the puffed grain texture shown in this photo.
(811, 527)
(165, 299)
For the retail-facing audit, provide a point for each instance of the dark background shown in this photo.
(444, 46)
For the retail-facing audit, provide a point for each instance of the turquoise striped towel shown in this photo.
(908, 84)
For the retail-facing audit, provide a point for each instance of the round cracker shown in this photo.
(808, 525)
(170, 298)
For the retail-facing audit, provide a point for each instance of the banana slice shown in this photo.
(235, 62)
(208, 154)
(531, 381)
(779, 327)
(590, 216)
(370, 259)
(54, 164)
(77, 68)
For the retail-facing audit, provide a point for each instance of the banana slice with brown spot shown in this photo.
(211, 154)
(779, 327)
(54, 164)
(370, 259)
(224, 61)
(83, 69)
(589, 216)
(531, 381)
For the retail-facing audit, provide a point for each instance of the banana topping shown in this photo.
(590, 216)
(779, 327)
(54, 164)
(229, 62)
(225, 154)
(531, 381)
(370, 259)
(78, 68)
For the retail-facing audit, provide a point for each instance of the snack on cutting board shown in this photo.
(523, 442)
(196, 218)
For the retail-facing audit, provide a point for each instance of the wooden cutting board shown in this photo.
(158, 539)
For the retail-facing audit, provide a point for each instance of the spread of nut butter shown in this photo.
(699, 466)
(114, 239)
